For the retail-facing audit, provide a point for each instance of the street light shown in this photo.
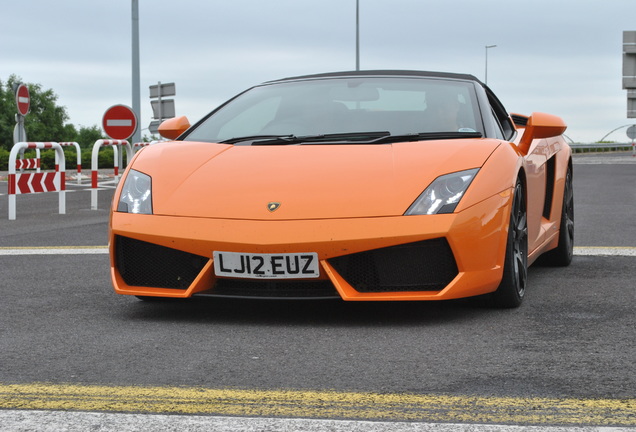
(136, 93)
(357, 35)
(486, 76)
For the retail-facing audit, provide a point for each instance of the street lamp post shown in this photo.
(357, 35)
(136, 98)
(486, 75)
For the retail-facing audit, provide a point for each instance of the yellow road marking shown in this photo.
(320, 404)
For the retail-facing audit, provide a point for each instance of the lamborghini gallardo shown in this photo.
(365, 185)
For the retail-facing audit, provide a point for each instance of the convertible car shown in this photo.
(366, 185)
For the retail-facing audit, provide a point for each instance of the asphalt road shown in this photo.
(573, 338)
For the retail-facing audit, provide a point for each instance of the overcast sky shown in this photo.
(563, 57)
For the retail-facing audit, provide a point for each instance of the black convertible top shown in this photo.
(396, 73)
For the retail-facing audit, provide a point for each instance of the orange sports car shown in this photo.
(366, 185)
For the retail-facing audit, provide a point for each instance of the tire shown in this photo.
(562, 255)
(513, 284)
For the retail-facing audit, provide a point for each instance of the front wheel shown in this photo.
(515, 273)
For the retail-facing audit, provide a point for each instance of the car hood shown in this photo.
(306, 181)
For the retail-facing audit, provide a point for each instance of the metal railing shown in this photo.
(599, 147)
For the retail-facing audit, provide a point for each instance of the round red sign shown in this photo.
(119, 122)
(22, 99)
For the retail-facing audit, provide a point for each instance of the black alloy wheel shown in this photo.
(515, 273)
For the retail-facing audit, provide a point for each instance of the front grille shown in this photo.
(422, 266)
(246, 288)
(273, 289)
(149, 265)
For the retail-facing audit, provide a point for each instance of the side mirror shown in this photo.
(540, 125)
(174, 127)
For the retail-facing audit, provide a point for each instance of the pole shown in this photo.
(136, 92)
(160, 108)
(486, 74)
(357, 35)
(19, 133)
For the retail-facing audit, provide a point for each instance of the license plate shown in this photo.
(266, 266)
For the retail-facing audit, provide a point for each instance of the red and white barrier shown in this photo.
(22, 164)
(23, 183)
(32, 163)
(79, 158)
(139, 145)
(117, 159)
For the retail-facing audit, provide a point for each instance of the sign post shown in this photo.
(23, 99)
(162, 109)
(23, 102)
(119, 122)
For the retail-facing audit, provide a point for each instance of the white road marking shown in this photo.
(605, 251)
(71, 250)
(36, 421)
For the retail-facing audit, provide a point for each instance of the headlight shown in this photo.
(136, 194)
(443, 195)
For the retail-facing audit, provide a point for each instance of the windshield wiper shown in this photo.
(335, 138)
(427, 136)
(248, 140)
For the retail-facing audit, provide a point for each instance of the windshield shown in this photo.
(398, 106)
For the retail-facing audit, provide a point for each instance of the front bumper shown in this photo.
(383, 258)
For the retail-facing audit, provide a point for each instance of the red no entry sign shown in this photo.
(119, 122)
(22, 99)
